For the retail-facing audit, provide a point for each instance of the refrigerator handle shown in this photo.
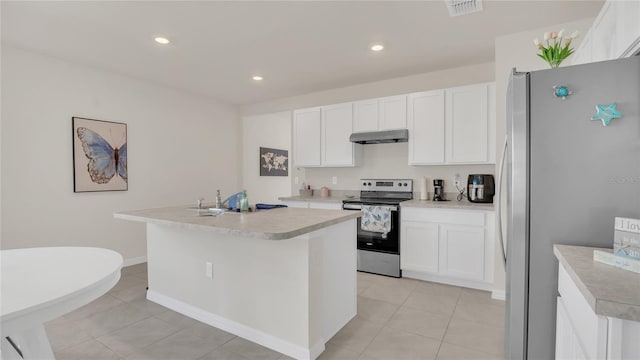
(499, 200)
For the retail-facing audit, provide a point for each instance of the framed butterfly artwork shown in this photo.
(99, 155)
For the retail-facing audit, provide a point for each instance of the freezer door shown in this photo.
(517, 216)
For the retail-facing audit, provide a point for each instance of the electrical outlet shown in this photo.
(334, 180)
(457, 181)
(208, 270)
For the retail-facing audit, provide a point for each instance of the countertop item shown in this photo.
(276, 224)
(41, 284)
(453, 204)
(609, 291)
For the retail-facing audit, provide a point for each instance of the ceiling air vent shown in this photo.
(463, 7)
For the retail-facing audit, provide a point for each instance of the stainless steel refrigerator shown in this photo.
(567, 177)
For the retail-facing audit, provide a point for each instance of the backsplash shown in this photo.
(387, 161)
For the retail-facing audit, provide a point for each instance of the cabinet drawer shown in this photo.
(590, 329)
(444, 216)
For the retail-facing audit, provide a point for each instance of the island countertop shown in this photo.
(610, 291)
(275, 224)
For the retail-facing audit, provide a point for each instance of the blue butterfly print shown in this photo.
(104, 160)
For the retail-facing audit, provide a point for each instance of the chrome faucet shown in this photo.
(200, 203)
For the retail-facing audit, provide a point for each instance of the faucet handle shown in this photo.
(200, 202)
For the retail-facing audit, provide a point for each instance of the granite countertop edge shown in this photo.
(599, 304)
(330, 199)
(416, 203)
(266, 235)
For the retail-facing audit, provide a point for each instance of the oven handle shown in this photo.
(359, 207)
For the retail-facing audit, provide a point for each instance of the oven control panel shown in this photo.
(399, 185)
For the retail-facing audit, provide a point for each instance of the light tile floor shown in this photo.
(397, 319)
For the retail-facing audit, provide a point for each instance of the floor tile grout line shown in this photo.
(448, 324)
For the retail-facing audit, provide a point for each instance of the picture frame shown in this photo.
(274, 162)
(99, 155)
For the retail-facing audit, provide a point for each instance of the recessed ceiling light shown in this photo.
(377, 47)
(161, 40)
(258, 78)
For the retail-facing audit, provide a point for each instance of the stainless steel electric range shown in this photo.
(379, 250)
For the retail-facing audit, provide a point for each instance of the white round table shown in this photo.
(41, 284)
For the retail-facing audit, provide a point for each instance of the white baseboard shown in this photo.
(498, 295)
(480, 285)
(238, 329)
(134, 261)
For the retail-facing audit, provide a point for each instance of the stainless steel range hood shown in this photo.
(380, 137)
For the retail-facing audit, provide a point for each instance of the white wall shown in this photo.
(272, 131)
(180, 147)
(384, 160)
(517, 50)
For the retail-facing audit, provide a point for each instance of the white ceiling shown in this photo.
(299, 47)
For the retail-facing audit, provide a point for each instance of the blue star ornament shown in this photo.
(606, 113)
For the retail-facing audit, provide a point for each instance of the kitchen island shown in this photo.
(283, 278)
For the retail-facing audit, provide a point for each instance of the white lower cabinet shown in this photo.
(448, 245)
(464, 253)
(581, 334)
(420, 246)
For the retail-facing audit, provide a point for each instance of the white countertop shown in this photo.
(275, 224)
(610, 291)
(40, 284)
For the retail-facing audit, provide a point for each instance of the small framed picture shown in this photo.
(274, 162)
(99, 155)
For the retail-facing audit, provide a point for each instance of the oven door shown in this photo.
(375, 241)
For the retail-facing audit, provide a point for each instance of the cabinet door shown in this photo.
(565, 336)
(467, 125)
(306, 137)
(603, 34)
(426, 128)
(583, 54)
(463, 251)
(337, 125)
(628, 31)
(365, 115)
(393, 113)
(419, 246)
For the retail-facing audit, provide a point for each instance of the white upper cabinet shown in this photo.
(386, 113)
(306, 137)
(615, 33)
(366, 115)
(337, 126)
(393, 113)
(627, 14)
(321, 137)
(467, 125)
(452, 126)
(603, 33)
(425, 120)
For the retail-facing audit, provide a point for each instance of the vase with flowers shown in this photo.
(556, 47)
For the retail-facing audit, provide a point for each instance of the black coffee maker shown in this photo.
(438, 190)
(481, 188)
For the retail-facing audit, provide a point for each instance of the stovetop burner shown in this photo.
(383, 192)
